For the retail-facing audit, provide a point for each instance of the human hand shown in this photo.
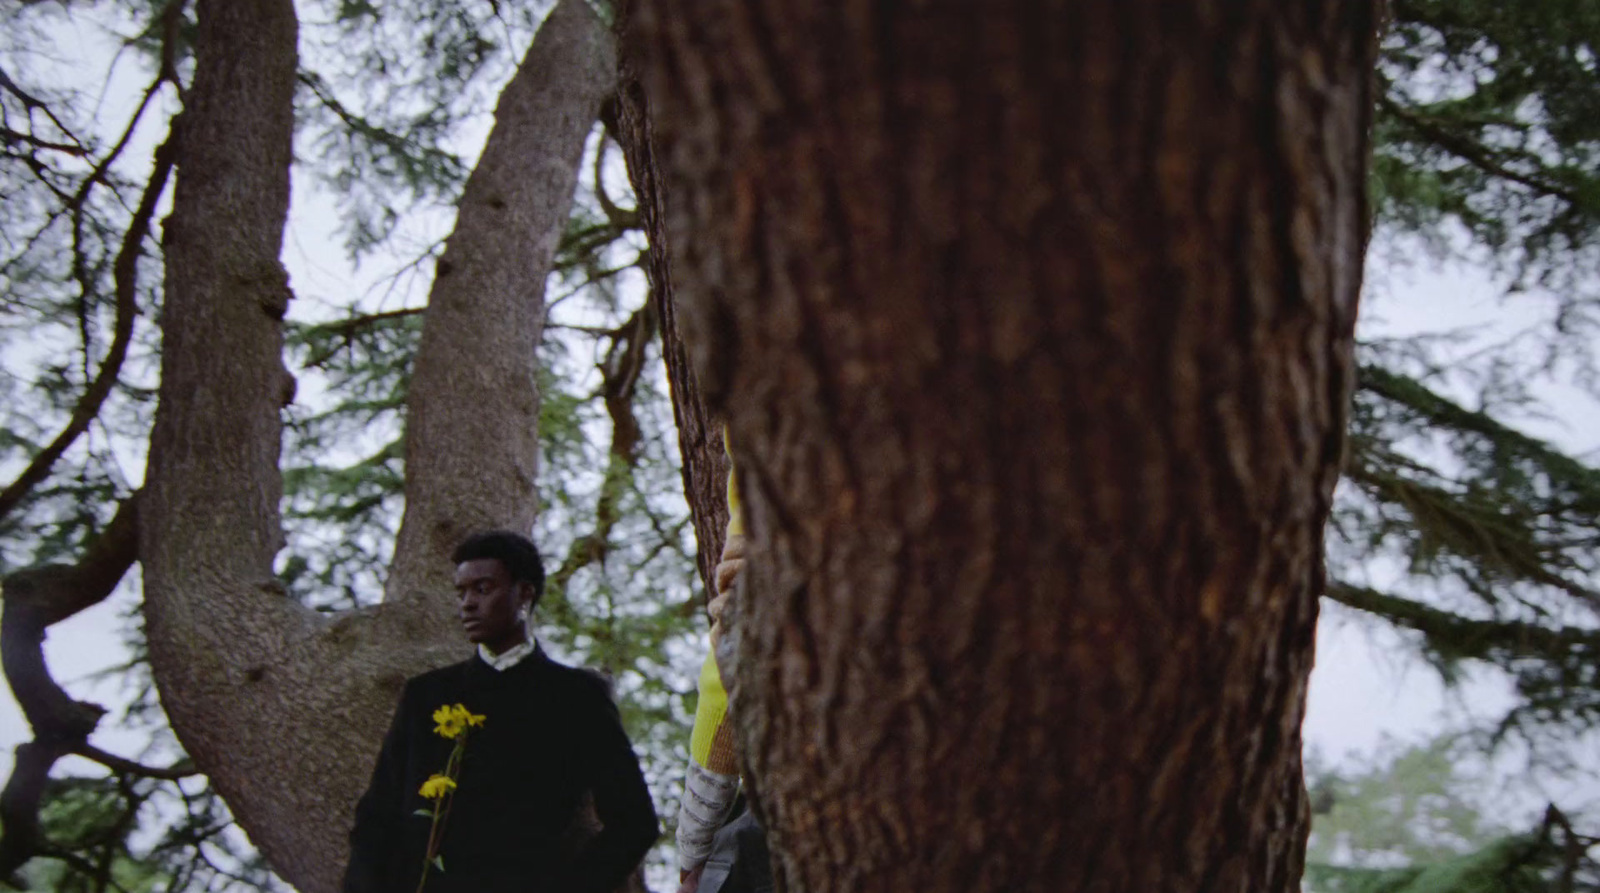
(732, 562)
(689, 881)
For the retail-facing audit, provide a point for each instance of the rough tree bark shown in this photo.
(705, 463)
(1041, 317)
(472, 422)
(281, 706)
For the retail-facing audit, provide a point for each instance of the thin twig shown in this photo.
(181, 769)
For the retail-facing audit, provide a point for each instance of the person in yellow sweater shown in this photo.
(712, 780)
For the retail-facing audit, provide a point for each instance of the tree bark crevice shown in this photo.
(1032, 329)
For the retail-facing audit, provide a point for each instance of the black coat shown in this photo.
(519, 822)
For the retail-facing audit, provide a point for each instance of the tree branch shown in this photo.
(123, 765)
(347, 329)
(1498, 640)
(15, 136)
(35, 599)
(622, 219)
(1475, 154)
(125, 273)
(619, 372)
(78, 204)
(31, 103)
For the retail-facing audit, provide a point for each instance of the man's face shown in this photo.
(489, 604)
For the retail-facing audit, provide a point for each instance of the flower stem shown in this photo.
(441, 809)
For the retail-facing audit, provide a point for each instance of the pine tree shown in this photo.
(1485, 145)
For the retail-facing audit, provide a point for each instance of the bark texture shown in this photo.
(282, 707)
(705, 463)
(1032, 323)
(472, 424)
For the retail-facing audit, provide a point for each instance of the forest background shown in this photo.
(1463, 547)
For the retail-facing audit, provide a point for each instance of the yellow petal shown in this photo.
(437, 786)
(445, 722)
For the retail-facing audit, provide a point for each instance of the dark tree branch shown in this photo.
(1484, 639)
(1572, 851)
(35, 599)
(1475, 153)
(32, 103)
(171, 24)
(79, 202)
(348, 329)
(180, 769)
(125, 273)
(168, 71)
(19, 806)
(14, 136)
(619, 372)
(620, 379)
(621, 218)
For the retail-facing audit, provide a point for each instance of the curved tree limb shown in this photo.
(34, 600)
(472, 436)
(619, 372)
(622, 218)
(171, 18)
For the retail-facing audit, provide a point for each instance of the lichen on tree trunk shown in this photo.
(1032, 324)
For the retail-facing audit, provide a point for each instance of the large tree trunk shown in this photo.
(282, 707)
(1032, 324)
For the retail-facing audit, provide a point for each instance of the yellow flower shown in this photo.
(446, 723)
(453, 719)
(437, 786)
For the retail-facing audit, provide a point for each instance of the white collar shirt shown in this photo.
(510, 657)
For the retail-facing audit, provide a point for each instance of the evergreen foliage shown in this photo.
(1403, 823)
(1487, 146)
(1489, 118)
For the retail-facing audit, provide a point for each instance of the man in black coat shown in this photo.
(550, 746)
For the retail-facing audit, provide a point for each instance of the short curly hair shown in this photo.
(513, 550)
